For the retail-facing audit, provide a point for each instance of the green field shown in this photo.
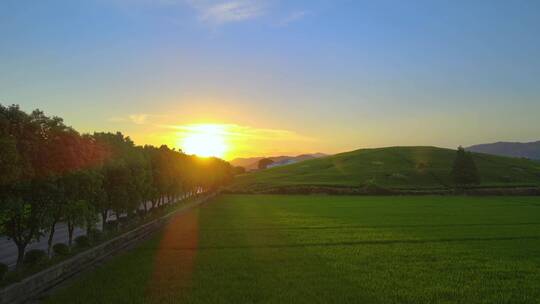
(324, 249)
(394, 168)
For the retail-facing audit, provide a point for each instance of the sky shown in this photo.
(278, 77)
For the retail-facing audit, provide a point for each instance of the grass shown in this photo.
(324, 249)
(394, 167)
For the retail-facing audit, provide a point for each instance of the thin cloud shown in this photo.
(228, 11)
(293, 17)
(235, 131)
(220, 12)
(138, 119)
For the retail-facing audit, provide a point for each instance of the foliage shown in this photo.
(239, 170)
(95, 235)
(21, 219)
(82, 241)
(60, 249)
(464, 171)
(264, 163)
(3, 270)
(9, 160)
(34, 257)
(52, 174)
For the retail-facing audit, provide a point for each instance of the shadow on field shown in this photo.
(356, 243)
(372, 226)
(173, 269)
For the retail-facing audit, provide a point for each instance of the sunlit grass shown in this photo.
(393, 168)
(324, 249)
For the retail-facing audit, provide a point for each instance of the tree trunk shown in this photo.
(117, 214)
(70, 233)
(50, 240)
(103, 220)
(21, 247)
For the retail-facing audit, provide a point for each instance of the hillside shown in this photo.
(394, 168)
(529, 150)
(251, 163)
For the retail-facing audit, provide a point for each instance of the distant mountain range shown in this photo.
(530, 150)
(250, 163)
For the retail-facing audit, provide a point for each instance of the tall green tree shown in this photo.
(264, 163)
(54, 213)
(52, 174)
(39, 149)
(464, 170)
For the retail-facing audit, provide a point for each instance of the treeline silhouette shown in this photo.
(50, 173)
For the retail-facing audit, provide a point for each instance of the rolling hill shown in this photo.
(391, 168)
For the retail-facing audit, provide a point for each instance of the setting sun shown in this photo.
(204, 140)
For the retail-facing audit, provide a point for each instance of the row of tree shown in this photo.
(49, 173)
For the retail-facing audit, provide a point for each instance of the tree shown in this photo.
(24, 212)
(464, 171)
(239, 170)
(53, 214)
(26, 189)
(36, 149)
(116, 185)
(51, 173)
(116, 173)
(76, 214)
(9, 160)
(91, 191)
(21, 221)
(79, 189)
(264, 163)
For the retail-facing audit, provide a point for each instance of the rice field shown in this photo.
(330, 249)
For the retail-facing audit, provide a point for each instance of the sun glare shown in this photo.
(204, 140)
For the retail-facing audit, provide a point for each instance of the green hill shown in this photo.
(392, 168)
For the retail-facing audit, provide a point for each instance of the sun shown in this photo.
(204, 140)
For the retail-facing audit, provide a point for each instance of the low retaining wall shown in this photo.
(330, 190)
(48, 278)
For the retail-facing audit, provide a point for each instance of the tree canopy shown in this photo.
(264, 163)
(464, 170)
(52, 173)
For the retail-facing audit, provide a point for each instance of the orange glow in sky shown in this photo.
(204, 140)
(229, 141)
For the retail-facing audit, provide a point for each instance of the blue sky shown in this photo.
(331, 75)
